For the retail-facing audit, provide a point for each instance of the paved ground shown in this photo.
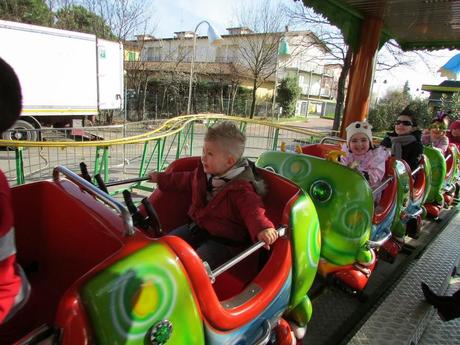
(314, 123)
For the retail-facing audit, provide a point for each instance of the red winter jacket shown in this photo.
(233, 212)
(10, 281)
(453, 140)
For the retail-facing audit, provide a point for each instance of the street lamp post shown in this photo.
(213, 38)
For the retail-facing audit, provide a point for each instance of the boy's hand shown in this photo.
(153, 176)
(269, 236)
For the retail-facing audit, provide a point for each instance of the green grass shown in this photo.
(329, 116)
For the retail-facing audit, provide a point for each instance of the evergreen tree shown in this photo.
(406, 89)
(78, 18)
(26, 11)
(287, 94)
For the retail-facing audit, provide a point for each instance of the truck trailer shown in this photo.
(66, 76)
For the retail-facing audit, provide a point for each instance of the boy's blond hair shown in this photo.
(229, 136)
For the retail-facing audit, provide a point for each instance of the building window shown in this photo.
(131, 56)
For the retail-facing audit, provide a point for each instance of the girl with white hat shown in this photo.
(361, 154)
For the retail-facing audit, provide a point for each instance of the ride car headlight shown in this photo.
(321, 191)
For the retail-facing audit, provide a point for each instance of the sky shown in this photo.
(183, 15)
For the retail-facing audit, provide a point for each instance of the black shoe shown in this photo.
(430, 296)
(447, 306)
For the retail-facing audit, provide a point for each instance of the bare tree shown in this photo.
(258, 51)
(388, 58)
(339, 52)
(125, 17)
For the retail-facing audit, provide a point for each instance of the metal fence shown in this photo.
(126, 151)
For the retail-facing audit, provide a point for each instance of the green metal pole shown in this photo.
(275, 139)
(179, 148)
(161, 148)
(97, 161)
(19, 166)
(106, 164)
(192, 131)
(143, 159)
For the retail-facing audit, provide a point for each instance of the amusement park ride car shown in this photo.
(354, 230)
(97, 278)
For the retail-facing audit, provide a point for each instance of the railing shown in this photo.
(147, 146)
(334, 140)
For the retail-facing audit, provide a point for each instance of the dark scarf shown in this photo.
(399, 141)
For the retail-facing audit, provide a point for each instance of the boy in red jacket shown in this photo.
(226, 209)
(13, 285)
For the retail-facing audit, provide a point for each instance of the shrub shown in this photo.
(287, 94)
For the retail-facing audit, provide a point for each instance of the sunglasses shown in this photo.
(438, 127)
(403, 122)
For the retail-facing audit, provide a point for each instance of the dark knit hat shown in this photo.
(10, 96)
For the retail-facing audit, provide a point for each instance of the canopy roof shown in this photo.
(414, 24)
(448, 86)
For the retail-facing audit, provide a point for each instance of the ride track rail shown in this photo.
(167, 128)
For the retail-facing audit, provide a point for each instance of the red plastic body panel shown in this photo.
(319, 150)
(449, 162)
(270, 279)
(56, 249)
(388, 195)
(419, 181)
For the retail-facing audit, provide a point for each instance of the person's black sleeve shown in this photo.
(414, 155)
(386, 142)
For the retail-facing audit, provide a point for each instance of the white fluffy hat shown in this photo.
(359, 127)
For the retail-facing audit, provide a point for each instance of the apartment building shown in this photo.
(231, 61)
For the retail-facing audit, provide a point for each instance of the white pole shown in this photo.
(189, 102)
(213, 37)
(276, 82)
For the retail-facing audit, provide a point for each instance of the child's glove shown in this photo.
(334, 155)
(298, 149)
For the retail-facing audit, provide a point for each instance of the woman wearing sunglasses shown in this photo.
(405, 141)
(436, 135)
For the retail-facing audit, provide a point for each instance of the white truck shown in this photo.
(65, 76)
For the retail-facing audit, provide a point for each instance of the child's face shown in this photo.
(437, 130)
(455, 132)
(404, 125)
(215, 159)
(359, 144)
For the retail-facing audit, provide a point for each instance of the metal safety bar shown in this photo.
(243, 255)
(130, 180)
(416, 170)
(96, 192)
(333, 139)
(382, 186)
(266, 331)
(377, 244)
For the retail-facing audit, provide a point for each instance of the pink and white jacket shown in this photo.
(372, 163)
